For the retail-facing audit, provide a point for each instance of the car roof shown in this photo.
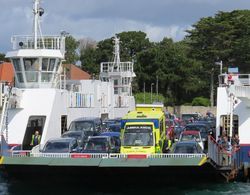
(96, 137)
(114, 134)
(190, 132)
(73, 132)
(190, 142)
(62, 139)
(196, 124)
(87, 119)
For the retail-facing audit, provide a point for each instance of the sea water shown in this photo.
(35, 187)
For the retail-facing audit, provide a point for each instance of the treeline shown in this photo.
(185, 69)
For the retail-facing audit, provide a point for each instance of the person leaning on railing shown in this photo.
(227, 149)
(235, 142)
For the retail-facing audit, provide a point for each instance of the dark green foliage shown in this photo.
(201, 101)
(71, 45)
(2, 57)
(222, 37)
(177, 74)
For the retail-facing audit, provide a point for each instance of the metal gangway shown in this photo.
(228, 162)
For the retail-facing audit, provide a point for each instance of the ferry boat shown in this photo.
(42, 99)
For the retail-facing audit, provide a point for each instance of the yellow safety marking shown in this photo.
(1, 160)
(203, 160)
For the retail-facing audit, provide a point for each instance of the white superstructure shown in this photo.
(43, 100)
(233, 110)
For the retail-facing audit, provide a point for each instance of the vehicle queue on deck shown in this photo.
(92, 135)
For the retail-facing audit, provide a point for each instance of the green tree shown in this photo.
(2, 57)
(71, 46)
(222, 37)
(176, 73)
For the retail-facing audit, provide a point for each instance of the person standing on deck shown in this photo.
(36, 138)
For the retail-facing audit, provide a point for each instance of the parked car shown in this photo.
(101, 144)
(177, 131)
(115, 138)
(81, 136)
(61, 145)
(114, 127)
(187, 147)
(110, 124)
(92, 125)
(192, 136)
(190, 117)
(204, 129)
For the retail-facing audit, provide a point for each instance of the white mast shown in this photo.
(38, 12)
(117, 50)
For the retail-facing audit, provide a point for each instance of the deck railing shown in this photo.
(221, 156)
(45, 42)
(108, 67)
(28, 153)
(234, 79)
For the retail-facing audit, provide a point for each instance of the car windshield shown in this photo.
(138, 135)
(188, 116)
(73, 135)
(200, 128)
(114, 128)
(81, 126)
(185, 149)
(97, 144)
(189, 137)
(59, 147)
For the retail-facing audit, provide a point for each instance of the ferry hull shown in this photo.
(115, 170)
(168, 174)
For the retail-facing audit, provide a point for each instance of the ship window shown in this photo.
(17, 64)
(115, 90)
(58, 64)
(48, 64)
(31, 76)
(52, 63)
(124, 89)
(31, 64)
(45, 62)
(46, 77)
(20, 77)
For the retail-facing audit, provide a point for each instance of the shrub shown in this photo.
(139, 98)
(201, 101)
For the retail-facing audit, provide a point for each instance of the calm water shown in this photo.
(36, 187)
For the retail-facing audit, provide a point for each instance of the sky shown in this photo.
(101, 19)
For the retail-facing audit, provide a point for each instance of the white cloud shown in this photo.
(101, 19)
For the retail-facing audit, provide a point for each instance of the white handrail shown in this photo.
(22, 153)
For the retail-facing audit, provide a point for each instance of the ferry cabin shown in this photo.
(143, 131)
(43, 100)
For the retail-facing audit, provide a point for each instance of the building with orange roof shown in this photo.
(73, 72)
(7, 72)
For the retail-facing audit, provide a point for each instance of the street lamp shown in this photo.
(144, 92)
(220, 64)
(152, 84)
